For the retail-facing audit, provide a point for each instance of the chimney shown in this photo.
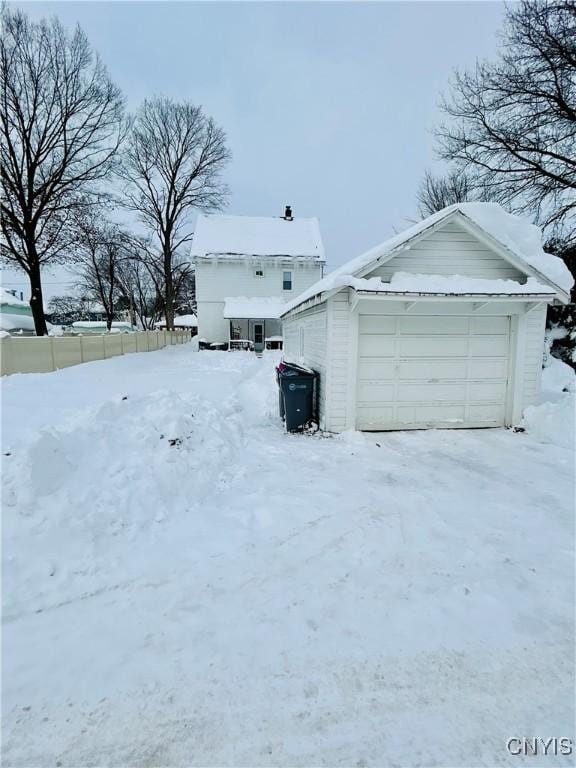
(288, 213)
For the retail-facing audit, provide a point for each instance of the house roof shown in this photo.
(257, 308)
(237, 236)
(518, 241)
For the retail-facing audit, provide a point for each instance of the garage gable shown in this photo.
(476, 241)
(452, 248)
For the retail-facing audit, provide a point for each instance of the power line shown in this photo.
(44, 282)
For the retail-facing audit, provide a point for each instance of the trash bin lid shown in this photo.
(291, 369)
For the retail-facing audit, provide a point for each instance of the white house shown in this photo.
(247, 268)
(440, 326)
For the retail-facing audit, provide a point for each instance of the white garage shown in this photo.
(442, 326)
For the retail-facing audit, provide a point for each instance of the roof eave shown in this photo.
(465, 296)
(241, 256)
(311, 301)
(323, 296)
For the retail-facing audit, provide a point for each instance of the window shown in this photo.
(286, 281)
(258, 273)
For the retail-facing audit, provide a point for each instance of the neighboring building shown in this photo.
(15, 314)
(247, 268)
(440, 326)
(65, 310)
(181, 322)
(100, 326)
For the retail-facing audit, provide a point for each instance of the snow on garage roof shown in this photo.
(447, 285)
(516, 236)
(217, 235)
(258, 308)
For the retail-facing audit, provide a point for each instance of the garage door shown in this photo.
(416, 372)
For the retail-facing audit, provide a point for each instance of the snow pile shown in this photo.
(258, 308)
(557, 377)
(73, 495)
(554, 420)
(222, 235)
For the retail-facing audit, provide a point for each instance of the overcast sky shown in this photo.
(327, 106)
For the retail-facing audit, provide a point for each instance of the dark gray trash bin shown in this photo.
(297, 396)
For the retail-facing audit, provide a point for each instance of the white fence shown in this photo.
(33, 354)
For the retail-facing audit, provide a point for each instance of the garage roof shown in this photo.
(516, 239)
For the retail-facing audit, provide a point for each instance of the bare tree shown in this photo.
(173, 164)
(64, 310)
(438, 192)
(61, 124)
(140, 284)
(512, 124)
(186, 295)
(140, 274)
(100, 248)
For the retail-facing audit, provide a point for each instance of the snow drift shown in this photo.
(554, 420)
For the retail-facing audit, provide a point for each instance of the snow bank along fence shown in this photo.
(33, 354)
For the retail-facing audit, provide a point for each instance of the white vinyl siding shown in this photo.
(341, 340)
(324, 338)
(450, 250)
(534, 328)
(305, 344)
(217, 280)
(416, 372)
(212, 325)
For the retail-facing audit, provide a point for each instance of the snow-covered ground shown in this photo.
(187, 585)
